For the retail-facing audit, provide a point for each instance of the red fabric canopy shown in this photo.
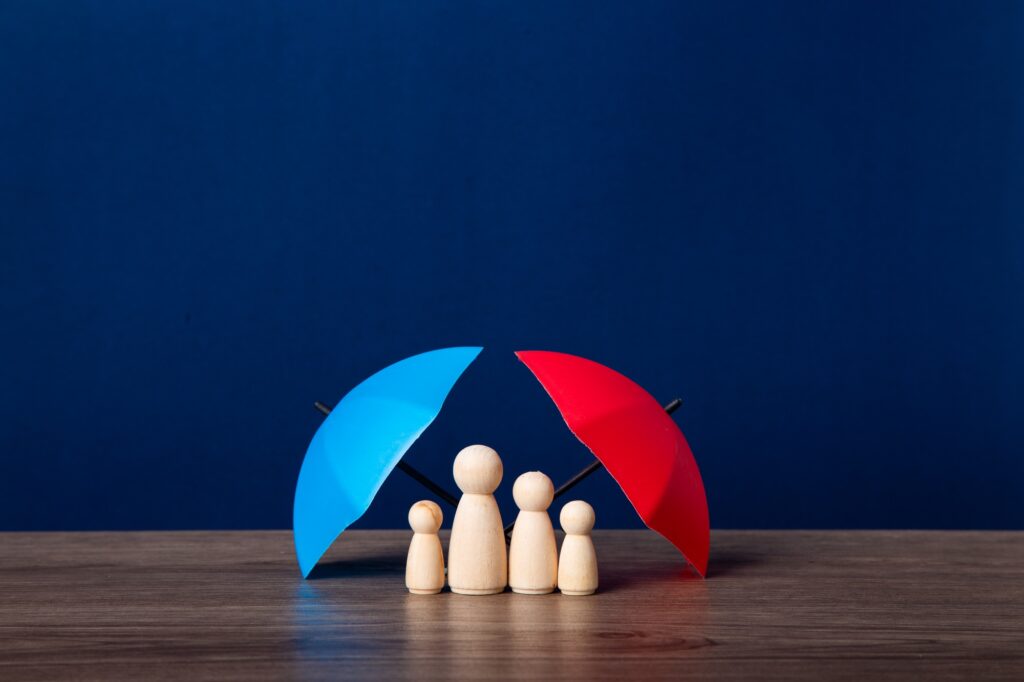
(640, 445)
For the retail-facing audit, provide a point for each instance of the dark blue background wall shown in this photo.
(806, 219)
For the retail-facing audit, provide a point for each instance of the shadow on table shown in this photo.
(360, 567)
(729, 562)
(720, 564)
(612, 580)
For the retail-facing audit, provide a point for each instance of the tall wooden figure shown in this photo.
(533, 557)
(577, 566)
(477, 559)
(424, 567)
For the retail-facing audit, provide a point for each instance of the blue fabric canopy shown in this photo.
(363, 439)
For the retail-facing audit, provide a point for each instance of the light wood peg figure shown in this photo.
(533, 556)
(477, 558)
(424, 567)
(577, 565)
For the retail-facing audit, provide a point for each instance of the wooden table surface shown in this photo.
(777, 605)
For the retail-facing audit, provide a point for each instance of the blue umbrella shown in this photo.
(363, 439)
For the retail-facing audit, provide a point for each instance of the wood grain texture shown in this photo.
(777, 605)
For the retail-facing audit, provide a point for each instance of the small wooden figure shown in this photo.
(577, 565)
(533, 556)
(477, 558)
(424, 567)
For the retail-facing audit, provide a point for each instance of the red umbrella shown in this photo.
(639, 444)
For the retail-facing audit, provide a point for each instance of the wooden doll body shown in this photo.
(477, 557)
(424, 565)
(533, 556)
(577, 564)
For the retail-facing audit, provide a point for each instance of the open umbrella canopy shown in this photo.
(639, 444)
(363, 439)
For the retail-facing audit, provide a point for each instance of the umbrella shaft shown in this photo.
(428, 484)
(571, 483)
(567, 486)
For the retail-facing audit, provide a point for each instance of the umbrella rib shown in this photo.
(408, 469)
(592, 467)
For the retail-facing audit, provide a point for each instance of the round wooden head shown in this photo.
(477, 470)
(577, 518)
(425, 517)
(533, 491)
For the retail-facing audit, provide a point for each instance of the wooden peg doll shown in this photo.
(577, 565)
(424, 566)
(477, 558)
(533, 556)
